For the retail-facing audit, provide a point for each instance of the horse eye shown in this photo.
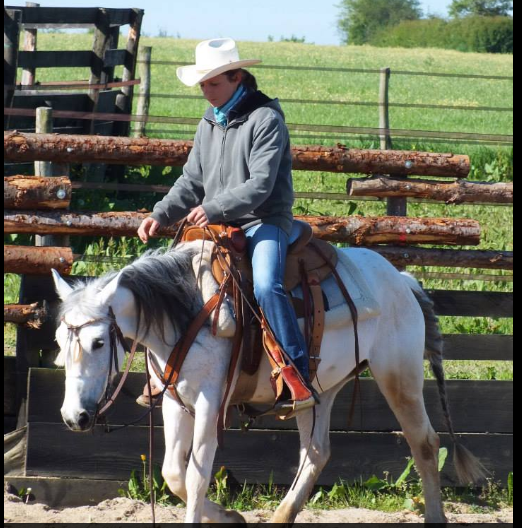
(97, 343)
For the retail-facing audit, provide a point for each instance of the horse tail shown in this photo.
(469, 469)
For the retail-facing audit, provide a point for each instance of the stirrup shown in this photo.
(287, 409)
(144, 399)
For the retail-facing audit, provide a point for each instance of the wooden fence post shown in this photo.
(12, 19)
(44, 125)
(99, 74)
(384, 109)
(144, 59)
(394, 206)
(124, 100)
(29, 74)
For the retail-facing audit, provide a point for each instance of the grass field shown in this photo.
(488, 163)
(333, 86)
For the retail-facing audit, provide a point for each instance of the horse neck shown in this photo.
(126, 313)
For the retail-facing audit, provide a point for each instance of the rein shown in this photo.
(258, 313)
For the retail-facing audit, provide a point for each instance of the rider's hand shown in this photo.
(198, 217)
(148, 228)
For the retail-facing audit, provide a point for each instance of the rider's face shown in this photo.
(219, 90)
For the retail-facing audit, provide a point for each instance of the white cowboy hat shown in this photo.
(213, 57)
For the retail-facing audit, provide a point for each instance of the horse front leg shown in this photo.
(179, 433)
(199, 469)
(178, 429)
(314, 454)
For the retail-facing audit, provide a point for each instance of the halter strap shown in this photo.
(76, 329)
(116, 335)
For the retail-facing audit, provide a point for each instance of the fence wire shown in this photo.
(354, 70)
(350, 103)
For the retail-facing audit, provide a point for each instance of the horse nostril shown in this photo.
(70, 424)
(83, 419)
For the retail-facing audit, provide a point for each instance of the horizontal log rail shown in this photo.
(36, 192)
(358, 230)
(31, 315)
(449, 258)
(355, 230)
(20, 147)
(40, 260)
(164, 189)
(421, 276)
(26, 260)
(450, 192)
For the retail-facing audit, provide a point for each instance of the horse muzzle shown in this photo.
(81, 421)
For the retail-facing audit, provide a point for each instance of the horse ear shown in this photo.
(106, 295)
(62, 288)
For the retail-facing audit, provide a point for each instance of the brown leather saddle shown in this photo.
(309, 262)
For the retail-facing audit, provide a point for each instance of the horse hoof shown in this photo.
(283, 515)
(235, 517)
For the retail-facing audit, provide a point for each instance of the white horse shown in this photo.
(153, 301)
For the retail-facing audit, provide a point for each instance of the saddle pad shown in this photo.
(337, 311)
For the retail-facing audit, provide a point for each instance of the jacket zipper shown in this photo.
(222, 160)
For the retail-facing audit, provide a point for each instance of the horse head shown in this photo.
(90, 349)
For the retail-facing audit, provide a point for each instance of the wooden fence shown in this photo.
(482, 410)
(105, 94)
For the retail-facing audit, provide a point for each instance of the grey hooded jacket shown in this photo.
(241, 174)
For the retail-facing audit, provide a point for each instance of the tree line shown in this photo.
(473, 25)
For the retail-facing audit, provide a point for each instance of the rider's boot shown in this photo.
(145, 400)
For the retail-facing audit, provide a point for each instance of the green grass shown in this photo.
(380, 494)
(11, 289)
(348, 87)
(354, 87)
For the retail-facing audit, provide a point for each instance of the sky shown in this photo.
(249, 20)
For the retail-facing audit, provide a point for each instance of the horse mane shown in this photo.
(163, 286)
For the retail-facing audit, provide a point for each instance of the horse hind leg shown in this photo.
(403, 392)
(314, 454)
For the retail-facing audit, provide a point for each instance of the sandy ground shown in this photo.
(126, 510)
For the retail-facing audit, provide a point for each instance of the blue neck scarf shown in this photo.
(223, 112)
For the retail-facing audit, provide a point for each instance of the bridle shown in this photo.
(115, 337)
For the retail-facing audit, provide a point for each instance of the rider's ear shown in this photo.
(62, 288)
(106, 295)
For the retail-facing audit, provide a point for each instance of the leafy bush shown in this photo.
(475, 34)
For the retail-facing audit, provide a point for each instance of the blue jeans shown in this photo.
(268, 246)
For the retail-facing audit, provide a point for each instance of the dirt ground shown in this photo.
(126, 510)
